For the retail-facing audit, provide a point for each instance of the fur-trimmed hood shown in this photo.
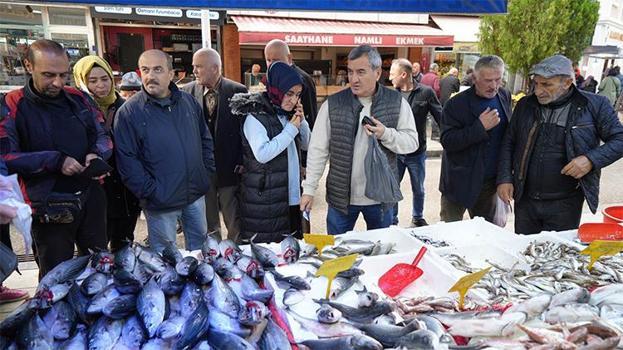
(243, 104)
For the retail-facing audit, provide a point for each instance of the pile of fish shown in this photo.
(139, 299)
(348, 246)
(437, 243)
(551, 268)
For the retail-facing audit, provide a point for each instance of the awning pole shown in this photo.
(206, 37)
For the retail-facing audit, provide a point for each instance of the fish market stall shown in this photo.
(537, 293)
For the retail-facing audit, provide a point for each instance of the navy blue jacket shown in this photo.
(26, 141)
(164, 152)
(464, 140)
(591, 120)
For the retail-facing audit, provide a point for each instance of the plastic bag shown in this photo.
(11, 195)
(381, 183)
(502, 210)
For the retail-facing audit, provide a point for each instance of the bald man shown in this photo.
(165, 154)
(278, 50)
(213, 92)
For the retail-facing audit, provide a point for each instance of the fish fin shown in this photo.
(252, 238)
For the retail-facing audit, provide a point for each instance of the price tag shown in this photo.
(466, 282)
(332, 267)
(319, 241)
(597, 249)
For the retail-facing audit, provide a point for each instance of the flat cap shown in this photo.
(130, 81)
(553, 66)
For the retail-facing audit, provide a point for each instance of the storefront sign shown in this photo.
(114, 9)
(160, 12)
(465, 48)
(614, 35)
(214, 16)
(297, 39)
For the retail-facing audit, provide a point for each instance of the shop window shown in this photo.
(77, 45)
(67, 16)
(20, 14)
(13, 46)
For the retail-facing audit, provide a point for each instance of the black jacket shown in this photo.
(592, 120)
(121, 202)
(308, 97)
(227, 130)
(448, 86)
(164, 151)
(464, 141)
(423, 100)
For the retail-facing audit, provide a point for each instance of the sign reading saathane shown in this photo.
(296, 39)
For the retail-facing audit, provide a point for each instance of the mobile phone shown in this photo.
(97, 167)
(368, 121)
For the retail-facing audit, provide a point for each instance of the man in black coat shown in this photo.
(449, 85)
(472, 127)
(213, 92)
(558, 140)
(422, 100)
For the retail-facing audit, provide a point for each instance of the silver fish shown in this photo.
(125, 259)
(229, 250)
(388, 335)
(361, 315)
(576, 295)
(210, 248)
(186, 266)
(488, 327)
(356, 342)
(532, 307)
(341, 285)
(251, 266)
(103, 262)
(290, 249)
(222, 322)
(610, 294)
(322, 330)
(247, 289)
(157, 344)
(365, 298)
(94, 284)
(126, 282)
(328, 314)
(204, 274)
(152, 260)
(571, 313)
(79, 302)
(17, 318)
(45, 297)
(228, 341)
(120, 307)
(170, 281)
(66, 271)
(101, 299)
(274, 337)
(253, 313)
(35, 335)
(171, 327)
(190, 298)
(286, 282)
(151, 307)
(61, 320)
(78, 341)
(292, 296)
(421, 339)
(133, 334)
(103, 335)
(222, 297)
(265, 256)
(195, 327)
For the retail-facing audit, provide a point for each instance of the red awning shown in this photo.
(312, 32)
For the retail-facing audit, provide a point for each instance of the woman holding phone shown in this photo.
(274, 132)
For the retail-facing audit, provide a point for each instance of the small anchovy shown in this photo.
(328, 314)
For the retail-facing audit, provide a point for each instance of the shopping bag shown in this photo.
(502, 211)
(11, 195)
(381, 183)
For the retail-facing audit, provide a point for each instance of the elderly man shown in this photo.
(552, 154)
(422, 100)
(431, 78)
(213, 92)
(50, 134)
(165, 154)
(278, 50)
(472, 127)
(449, 85)
(340, 138)
(417, 72)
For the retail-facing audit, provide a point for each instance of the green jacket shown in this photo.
(610, 87)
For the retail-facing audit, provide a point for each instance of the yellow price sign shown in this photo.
(597, 249)
(319, 241)
(466, 282)
(332, 267)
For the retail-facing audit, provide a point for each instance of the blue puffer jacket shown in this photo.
(164, 151)
(591, 120)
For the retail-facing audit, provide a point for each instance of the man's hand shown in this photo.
(490, 118)
(89, 158)
(306, 202)
(578, 167)
(505, 192)
(7, 213)
(377, 130)
(71, 167)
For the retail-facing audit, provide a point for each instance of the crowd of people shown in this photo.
(90, 158)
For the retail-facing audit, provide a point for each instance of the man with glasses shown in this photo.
(165, 154)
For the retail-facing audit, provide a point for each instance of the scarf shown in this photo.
(82, 69)
(281, 78)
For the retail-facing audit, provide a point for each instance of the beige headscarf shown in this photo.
(82, 69)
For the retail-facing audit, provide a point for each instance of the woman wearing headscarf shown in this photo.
(610, 86)
(274, 132)
(93, 75)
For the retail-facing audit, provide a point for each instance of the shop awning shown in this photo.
(464, 28)
(604, 51)
(305, 32)
(414, 6)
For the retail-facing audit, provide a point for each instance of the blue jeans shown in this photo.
(374, 215)
(162, 225)
(416, 165)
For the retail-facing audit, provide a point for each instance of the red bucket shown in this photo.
(613, 214)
